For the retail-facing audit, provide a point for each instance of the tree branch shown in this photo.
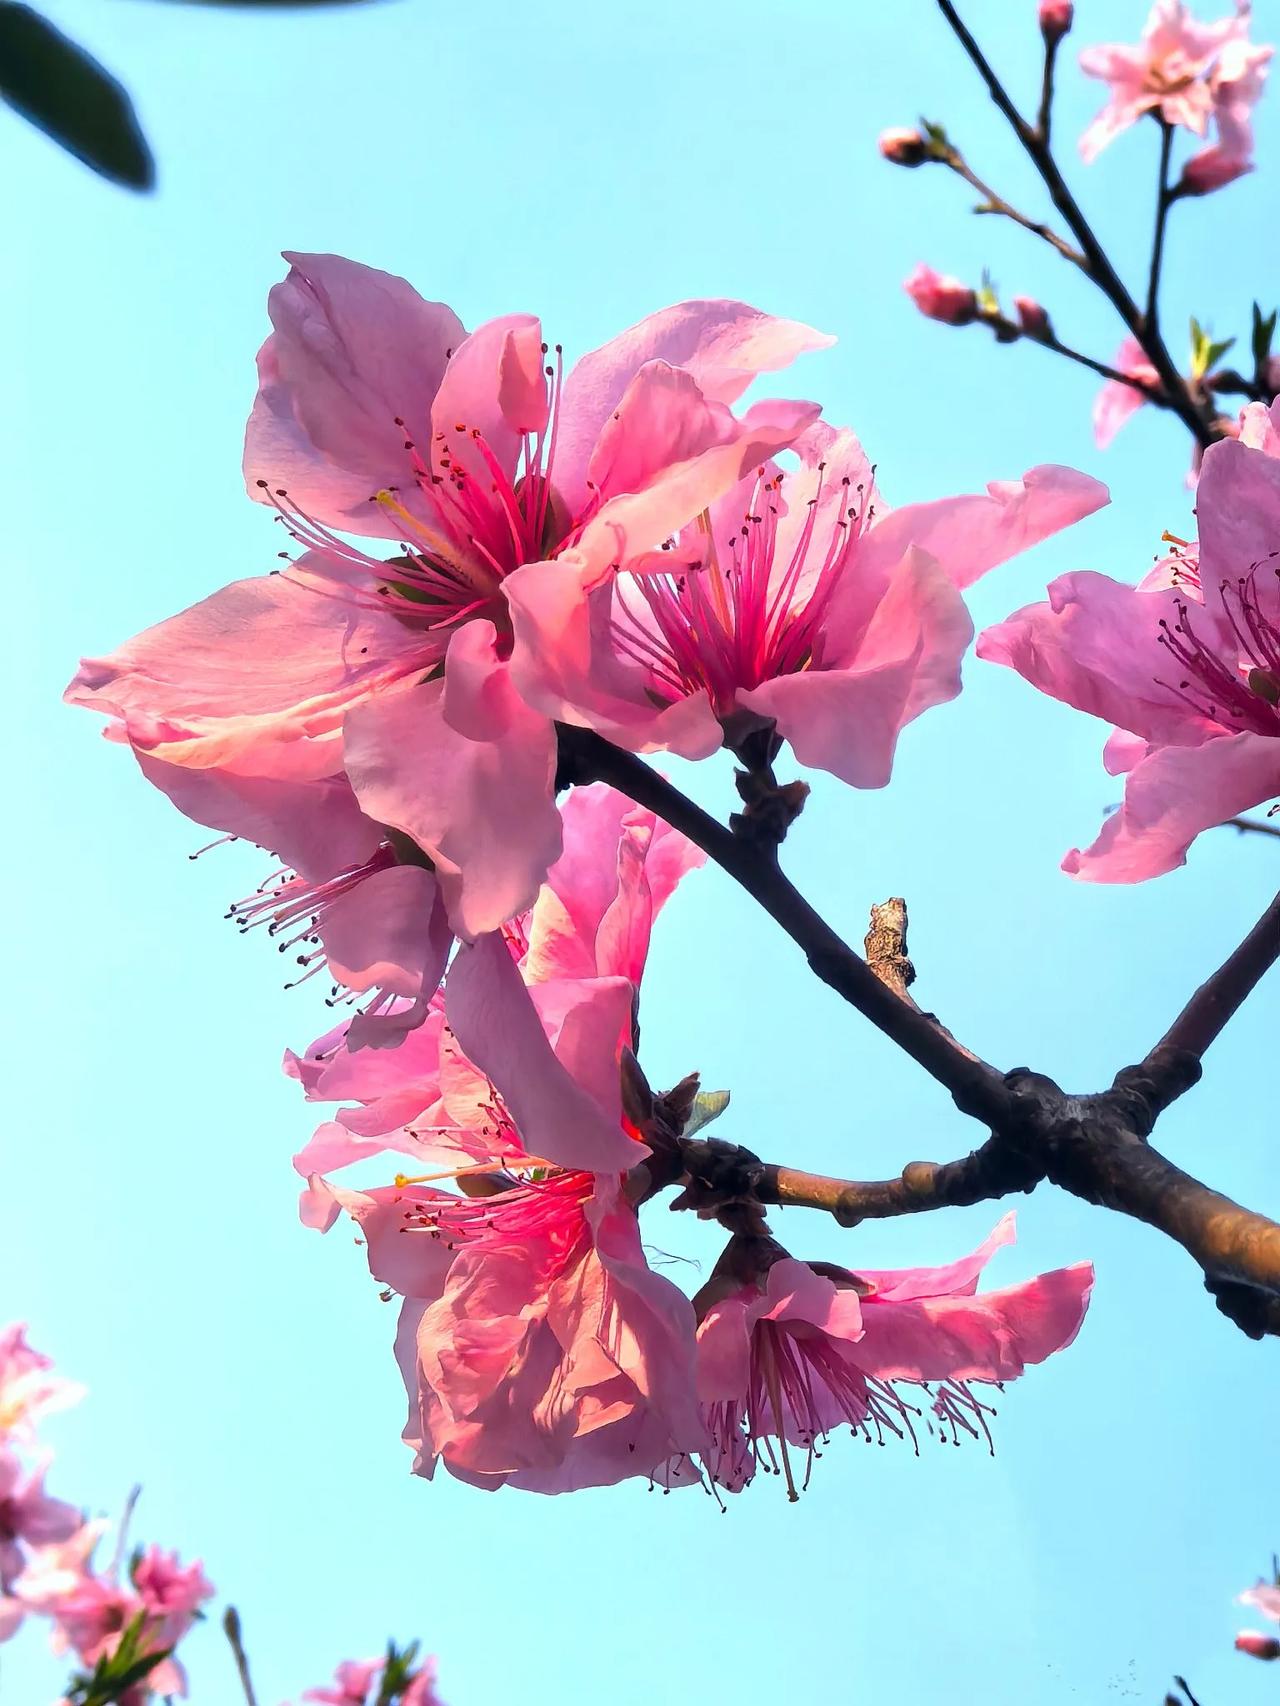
(976, 1087)
(1097, 264)
(1163, 203)
(995, 203)
(1219, 996)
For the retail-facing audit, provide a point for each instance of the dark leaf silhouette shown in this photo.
(65, 92)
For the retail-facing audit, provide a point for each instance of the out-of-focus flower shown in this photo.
(1032, 316)
(1257, 1645)
(1184, 71)
(1116, 401)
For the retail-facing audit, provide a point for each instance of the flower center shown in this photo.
(738, 616)
(1240, 691)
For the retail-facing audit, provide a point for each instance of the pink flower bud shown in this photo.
(941, 297)
(1031, 316)
(904, 147)
(1056, 18)
(1257, 1646)
(1211, 168)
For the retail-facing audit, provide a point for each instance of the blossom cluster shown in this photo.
(117, 1622)
(491, 551)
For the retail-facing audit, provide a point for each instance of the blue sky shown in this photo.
(593, 165)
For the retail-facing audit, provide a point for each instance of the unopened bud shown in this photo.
(1257, 1645)
(1210, 169)
(903, 147)
(1031, 316)
(941, 297)
(1056, 18)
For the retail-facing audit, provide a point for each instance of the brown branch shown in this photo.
(1219, 996)
(1250, 826)
(976, 1087)
(1164, 202)
(993, 202)
(1009, 331)
(1093, 1146)
(1097, 263)
(231, 1628)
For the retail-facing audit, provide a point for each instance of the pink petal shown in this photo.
(389, 932)
(484, 811)
(352, 349)
(498, 1028)
(903, 1285)
(848, 720)
(1096, 645)
(969, 535)
(494, 385)
(1169, 797)
(255, 679)
(315, 827)
(994, 1336)
(723, 345)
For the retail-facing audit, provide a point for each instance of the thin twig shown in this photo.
(231, 1628)
(993, 202)
(1251, 826)
(1008, 331)
(1098, 264)
(1163, 203)
(1044, 116)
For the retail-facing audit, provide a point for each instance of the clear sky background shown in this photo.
(593, 164)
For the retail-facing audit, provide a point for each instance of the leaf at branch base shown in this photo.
(64, 92)
(708, 1105)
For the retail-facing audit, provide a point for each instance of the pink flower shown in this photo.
(803, 1353)
(1186, 665)
(797, 601)
(592, 920)
(1182, 70)
(538, 1348)
(464, 456)
(351, 1683)
(1257, 1645)
(27, 1515)
(1116, 401)
(773, 1364)
(28, 1387)
(168, 1589)
(941, 297)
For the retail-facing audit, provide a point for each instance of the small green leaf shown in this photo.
(64, 92)
(1263, 331)
(1204, 351)
(708, 1105)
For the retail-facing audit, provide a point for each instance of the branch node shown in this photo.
(886, 945)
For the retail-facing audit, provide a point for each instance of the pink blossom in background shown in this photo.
(940, 297)
(800, 600)
(351, 1683)
(1184, 71)
(28, 1517)
(903, 146)
(1116, 401)
(465, 456)
(1265, 1597)
(1186, 665)
(782, 1364)
(29, 1388)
